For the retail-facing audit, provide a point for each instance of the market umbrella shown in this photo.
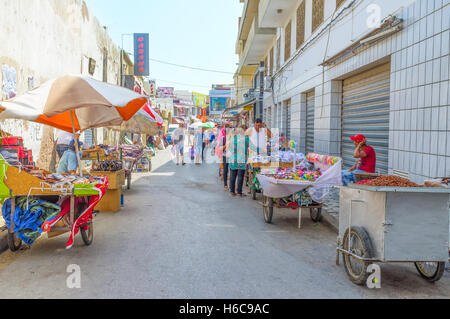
(195, 125)
(155, 116)
(140, 123)
(208, 125)
(74, 103)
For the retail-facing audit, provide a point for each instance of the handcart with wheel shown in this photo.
(379, 224)
(304, 195)
(255, 169)
(77, 202)
(289, 198)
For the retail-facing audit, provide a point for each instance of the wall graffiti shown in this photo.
(9, 86)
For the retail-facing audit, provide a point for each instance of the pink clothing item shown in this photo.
(219, 151)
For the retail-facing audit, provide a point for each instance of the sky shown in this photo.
(197, 33)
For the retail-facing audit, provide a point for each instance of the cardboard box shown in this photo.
(110, 202)
(115, 179)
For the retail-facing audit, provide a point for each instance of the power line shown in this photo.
(190, 67)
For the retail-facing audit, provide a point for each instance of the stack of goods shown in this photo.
(389, 181)
(302, 172)
(288, 157)
(143, 165)
(13, 151)
(324, 159)
(29, 216)
(61, 180)
(107, 166)
(280, 157)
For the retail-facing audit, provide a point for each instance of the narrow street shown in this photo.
(180, 235)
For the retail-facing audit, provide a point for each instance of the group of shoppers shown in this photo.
(234, 148)
(203, 140)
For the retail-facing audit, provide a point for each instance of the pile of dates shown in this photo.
(390, 181)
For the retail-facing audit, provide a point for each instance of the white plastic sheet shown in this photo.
(318, 189)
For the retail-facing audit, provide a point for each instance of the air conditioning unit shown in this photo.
(250, 95)
(268, 83)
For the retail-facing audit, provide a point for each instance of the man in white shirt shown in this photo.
(259, 136)
(63, 142)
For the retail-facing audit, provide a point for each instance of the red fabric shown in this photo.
(367, 164)
(86, 216)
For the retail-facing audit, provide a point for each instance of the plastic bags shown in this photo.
(331, 177)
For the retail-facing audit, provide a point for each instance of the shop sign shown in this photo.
(141, 54)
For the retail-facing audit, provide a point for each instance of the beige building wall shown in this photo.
(45, 39)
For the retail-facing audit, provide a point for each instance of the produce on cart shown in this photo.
(304, 186)
(392, 219)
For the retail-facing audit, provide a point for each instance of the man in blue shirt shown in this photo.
(68, 163)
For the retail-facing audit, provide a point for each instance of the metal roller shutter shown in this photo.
(366, 111)
(287, 122)
(310, 99)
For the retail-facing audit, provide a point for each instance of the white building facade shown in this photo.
(336, 68)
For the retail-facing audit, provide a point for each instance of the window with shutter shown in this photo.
(317, 14)
(287, 41)
(300, 25)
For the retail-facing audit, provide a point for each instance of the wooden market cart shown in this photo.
(18, 183)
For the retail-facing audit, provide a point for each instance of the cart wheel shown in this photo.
(253, 194)
(268, 209)
(14, 243)
(316, 214)
(431, 271)
(360, 245)
(88, 235)
(129, 181)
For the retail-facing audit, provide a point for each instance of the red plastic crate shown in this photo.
(30, 156)
(12, 140)
(20, 150)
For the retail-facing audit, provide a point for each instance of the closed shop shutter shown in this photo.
(287, 125)
(310, 98)
(366, 111)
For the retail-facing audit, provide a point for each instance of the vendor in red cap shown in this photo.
(366, 159)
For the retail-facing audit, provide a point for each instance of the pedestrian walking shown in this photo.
(178, 143)
(198, 146)
(220, 152)
(237, 155)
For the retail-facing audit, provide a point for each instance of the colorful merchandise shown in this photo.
(28, 217)
(324, 159)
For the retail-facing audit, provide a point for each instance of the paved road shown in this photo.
(181, 235)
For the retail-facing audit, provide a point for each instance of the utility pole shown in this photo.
(261, 89)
